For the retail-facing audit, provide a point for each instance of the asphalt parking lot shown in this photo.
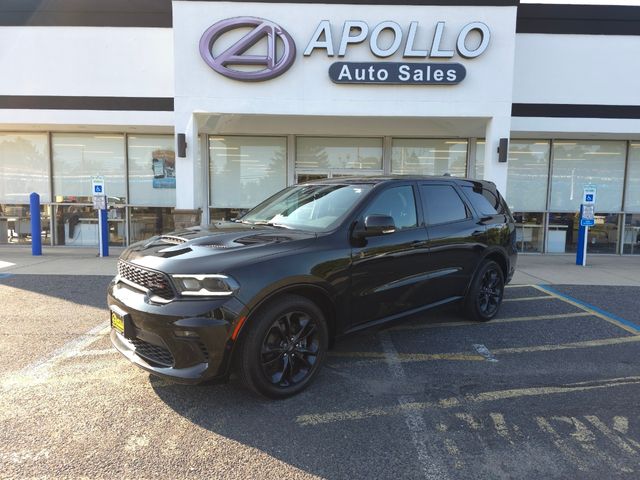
(547, 390)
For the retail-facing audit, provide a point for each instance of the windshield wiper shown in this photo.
(271, 224)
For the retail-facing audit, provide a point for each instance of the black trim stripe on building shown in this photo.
(152, 13)
(578, 19)
(555, 110)
(86, 13)
(144, 104)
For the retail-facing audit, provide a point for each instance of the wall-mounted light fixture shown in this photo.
(182, 145)
(503, 150)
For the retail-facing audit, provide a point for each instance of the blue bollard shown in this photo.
(36, 228)
(104, 233)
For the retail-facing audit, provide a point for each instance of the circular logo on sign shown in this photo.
(235, 55)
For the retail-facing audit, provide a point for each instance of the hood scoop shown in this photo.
(173, 239)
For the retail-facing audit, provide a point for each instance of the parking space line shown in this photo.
(593, 310)
(41, 368)
(455, 402)
(411, 357)
(374, 357)
(414, 421)
(466, 323)
(525, 299)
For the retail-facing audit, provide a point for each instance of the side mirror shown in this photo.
(377, 225)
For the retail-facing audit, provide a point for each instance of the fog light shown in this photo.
(186, 334)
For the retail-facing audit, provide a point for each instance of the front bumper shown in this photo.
(154, 343)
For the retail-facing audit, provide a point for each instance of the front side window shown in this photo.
(442, 204)
(398, 203)
(315, 208)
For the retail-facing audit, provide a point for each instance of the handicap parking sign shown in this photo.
(588, 197)
(97, 185)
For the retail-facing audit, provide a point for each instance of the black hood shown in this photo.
(229, 242)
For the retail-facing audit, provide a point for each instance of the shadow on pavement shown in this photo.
(90, 290)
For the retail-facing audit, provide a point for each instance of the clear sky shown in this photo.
(587, 2)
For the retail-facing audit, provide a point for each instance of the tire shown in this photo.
(271, 363)
(485, 293)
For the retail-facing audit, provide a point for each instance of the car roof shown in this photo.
(394, 178)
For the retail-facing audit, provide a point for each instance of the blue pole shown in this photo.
(104, 234)
(582, 238)
(36, 229)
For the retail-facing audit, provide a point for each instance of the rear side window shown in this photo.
(442, 204)
(397, 202)
(483, 200)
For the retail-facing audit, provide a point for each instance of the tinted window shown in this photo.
(397, 202)
(442, 204)
(483, 200)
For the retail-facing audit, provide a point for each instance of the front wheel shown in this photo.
(284, 347)
(485, 293)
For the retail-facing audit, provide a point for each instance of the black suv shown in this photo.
(266, 294)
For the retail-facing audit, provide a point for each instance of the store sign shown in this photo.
(385, 39)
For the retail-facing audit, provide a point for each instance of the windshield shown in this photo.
(308, 207)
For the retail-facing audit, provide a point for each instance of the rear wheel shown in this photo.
(485, 293)
(284, 347)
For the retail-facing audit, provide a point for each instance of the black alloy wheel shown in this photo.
(284, 346)
(290, 349)
(486, 292)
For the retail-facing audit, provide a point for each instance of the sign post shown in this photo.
(587, 219)
(100, 204)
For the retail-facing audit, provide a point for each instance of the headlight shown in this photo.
(205, 285)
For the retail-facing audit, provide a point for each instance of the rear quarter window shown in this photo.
(483, 200)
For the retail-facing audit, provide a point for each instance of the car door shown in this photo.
(456, 239)
(387, 271)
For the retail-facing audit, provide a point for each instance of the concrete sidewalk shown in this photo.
(532, 269)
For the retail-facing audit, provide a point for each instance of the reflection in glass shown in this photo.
(78, 157)
(339, 153)
(631, 237)
(632, 200)
(246, 170)
(479, 167)
(603, 236)
(24, 167)
(429, 156)
(562, 234)
(145, 222)
(76, 225)
(579, 163)
(529, 231)
(152, 177)
(15, 223)
(528, 171)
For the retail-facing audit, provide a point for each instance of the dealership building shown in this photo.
(194, 111)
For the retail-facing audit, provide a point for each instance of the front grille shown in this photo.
(160, 355)
(157, 283)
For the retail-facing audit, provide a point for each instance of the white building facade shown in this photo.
(268, 94)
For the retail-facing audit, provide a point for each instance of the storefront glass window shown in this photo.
(152, 177)
(24, 167)
(631, 238)
(479, 168)
(632, 200)
(428, 156)
(146, 222)
(579, 163)
(245, 170)
(529, 231)
(528, 170)
(321, 153)
(78, 157)
(562, 236)
(15, 223)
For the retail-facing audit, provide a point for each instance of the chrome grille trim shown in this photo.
(156, 284)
